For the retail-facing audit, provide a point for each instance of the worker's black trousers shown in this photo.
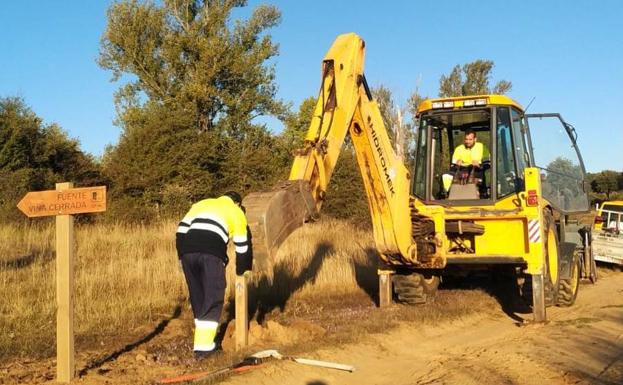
(205, 276)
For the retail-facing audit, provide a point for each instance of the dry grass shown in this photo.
(128, 280)
(125, 276)
(332, 257)
(128, 277)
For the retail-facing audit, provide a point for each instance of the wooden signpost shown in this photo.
(65, 200)
(63, 203)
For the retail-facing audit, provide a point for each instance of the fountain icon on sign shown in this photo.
(98, 195)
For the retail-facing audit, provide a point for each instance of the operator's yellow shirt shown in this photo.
(468, 155)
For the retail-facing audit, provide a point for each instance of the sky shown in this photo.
(567, 55)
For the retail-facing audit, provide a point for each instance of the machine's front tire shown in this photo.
(552, 260)
(568, 288)
(415, 288)
(551, 266)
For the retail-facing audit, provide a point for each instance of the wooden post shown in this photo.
(65, 365)
(538, 298)
(385, 287)
(242, 312)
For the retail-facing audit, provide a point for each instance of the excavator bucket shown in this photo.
(273, 215)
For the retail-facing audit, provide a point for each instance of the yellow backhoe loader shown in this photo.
(509, 210)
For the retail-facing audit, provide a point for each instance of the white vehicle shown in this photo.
(608, 233)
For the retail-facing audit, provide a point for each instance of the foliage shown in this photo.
(607, 182)
(35, 156)
(401, 132)
(198, 82)
(471, 79)
(346, 195)
(297, 124)
(602, 183)
(414, 101)
(187, 55)
(389, 113)
(562, 185)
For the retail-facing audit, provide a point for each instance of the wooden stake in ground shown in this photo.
(65, 365)
(385, 287)
(242, 312)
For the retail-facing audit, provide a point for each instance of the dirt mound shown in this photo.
(272, 332)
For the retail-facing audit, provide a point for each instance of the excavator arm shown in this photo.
(344, 106)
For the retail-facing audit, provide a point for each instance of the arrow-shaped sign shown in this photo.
(64, 202)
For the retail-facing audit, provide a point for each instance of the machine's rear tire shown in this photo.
(568, 288)
(415, 288)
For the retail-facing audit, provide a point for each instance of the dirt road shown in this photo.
(580, 345)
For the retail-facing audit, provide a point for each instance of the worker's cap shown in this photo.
(234, 197)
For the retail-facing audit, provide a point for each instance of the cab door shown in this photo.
(554, 151)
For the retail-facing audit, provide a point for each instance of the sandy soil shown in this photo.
(582, 344)
(579, 345)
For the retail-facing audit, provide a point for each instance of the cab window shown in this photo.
(447, 133)
(419, 180)
(505, 159)
(522, 156)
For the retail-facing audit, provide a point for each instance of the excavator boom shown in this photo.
(344, 106)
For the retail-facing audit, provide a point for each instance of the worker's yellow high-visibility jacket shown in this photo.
(468, 155)
(208, 226)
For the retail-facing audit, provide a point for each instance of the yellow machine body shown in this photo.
(410, 232)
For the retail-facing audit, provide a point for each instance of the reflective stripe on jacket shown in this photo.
(208, 226)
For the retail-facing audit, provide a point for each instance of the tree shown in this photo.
(400, 130)
(197, 82)
(387, 106)
(186, 55)
(562, 184)
(471, 79)
(606, 182)
(34, 156)
(297, 124)
(414, 101)
(346, 197)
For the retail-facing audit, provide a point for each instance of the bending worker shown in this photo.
(201, 242)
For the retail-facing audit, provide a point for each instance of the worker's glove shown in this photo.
(244, 262)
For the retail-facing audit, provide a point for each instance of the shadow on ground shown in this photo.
(269, 294)
(131, 346)
(499, 282)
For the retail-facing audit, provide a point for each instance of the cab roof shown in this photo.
(458, 102)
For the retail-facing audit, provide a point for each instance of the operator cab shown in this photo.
(452, 169)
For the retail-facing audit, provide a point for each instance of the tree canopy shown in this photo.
(188, 55)
(607, 185)
(34, 156)
(197, 82)
(472, 79)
